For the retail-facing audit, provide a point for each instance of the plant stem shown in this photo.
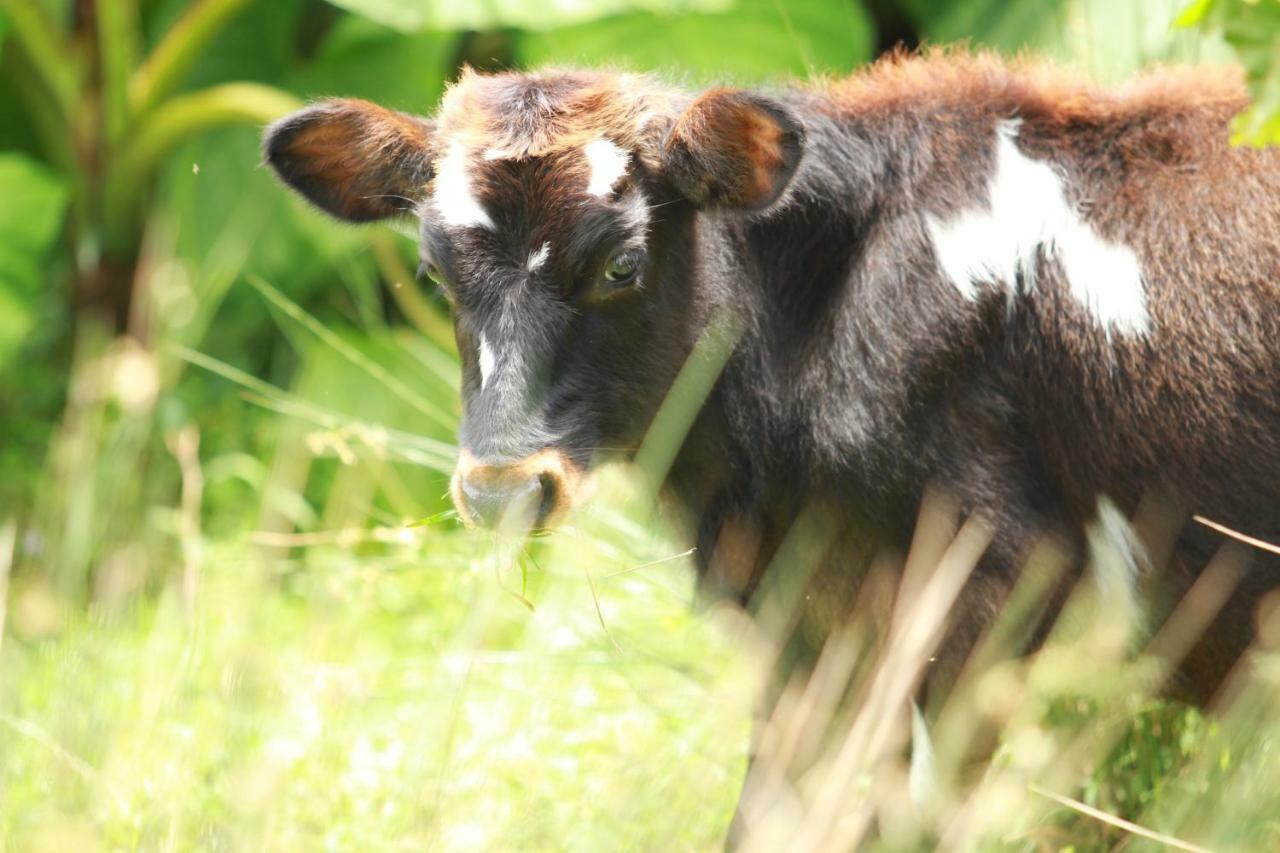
(180, 47)
(118, 37)
(48, 50)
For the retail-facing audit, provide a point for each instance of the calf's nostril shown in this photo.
(517, 496)
(550, 494)
(495, 502)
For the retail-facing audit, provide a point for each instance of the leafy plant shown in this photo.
(1252, 28)
(106, 114)
(30, 220)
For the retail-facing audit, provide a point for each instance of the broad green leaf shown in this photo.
(415, 15)
(359, 58)
(34, 200)
(758, 40)
(30, 220)
(3, 24)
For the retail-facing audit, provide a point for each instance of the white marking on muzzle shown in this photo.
(453, 197)
(1028, 211)
(487, 360)
(608, 163)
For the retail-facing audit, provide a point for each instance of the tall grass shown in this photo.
(308, 651)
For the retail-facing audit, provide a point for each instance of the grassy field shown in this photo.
(344, 673)
(241, 616)
(398, 696)
(237, 614)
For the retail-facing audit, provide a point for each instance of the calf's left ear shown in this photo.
(734, 149)
(353, 159)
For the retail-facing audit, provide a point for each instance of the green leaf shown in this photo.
(15, 320)
(30, 221)
(1252, 29)
(3, 24)
(415, 15)
(359, 58)
(1110, 40)
(758, 40)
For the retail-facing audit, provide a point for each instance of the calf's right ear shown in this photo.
(353, 159)
(733, 149)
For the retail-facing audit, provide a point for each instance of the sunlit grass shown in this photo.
(392, 699)
(300, 648)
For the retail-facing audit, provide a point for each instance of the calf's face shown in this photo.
(556, 213)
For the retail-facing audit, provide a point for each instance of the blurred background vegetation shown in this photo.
(220, 414)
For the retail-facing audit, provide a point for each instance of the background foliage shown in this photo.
(219, 411)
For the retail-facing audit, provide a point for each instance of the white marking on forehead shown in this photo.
(487, 361)
(608, 163)
(637, 213)
(1028, 213)
(453, 197)
(538, 258)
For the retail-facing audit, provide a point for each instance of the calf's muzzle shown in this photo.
(514, 495)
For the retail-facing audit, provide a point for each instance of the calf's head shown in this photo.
(557, 212)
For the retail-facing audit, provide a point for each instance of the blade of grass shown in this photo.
(435, 454)
(1118, 822)
(690, 390)
(1236, 534)
(350, 353)
(651, 563)
(595, 599)
(78, 765)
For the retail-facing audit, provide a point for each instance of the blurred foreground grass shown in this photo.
(266, 651)
(424, 688)
(385, 697)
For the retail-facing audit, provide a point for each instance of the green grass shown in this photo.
(395, 699)
(225, 631)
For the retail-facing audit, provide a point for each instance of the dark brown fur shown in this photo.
(863, 377)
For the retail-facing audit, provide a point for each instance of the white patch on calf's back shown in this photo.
(487, 361)
(608, 163)
(453, 197)
(1028, 213)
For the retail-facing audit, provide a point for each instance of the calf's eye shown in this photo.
(429, 270)
(622, 269)
(432, 273)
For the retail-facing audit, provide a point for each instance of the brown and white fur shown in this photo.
(1046, 298)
